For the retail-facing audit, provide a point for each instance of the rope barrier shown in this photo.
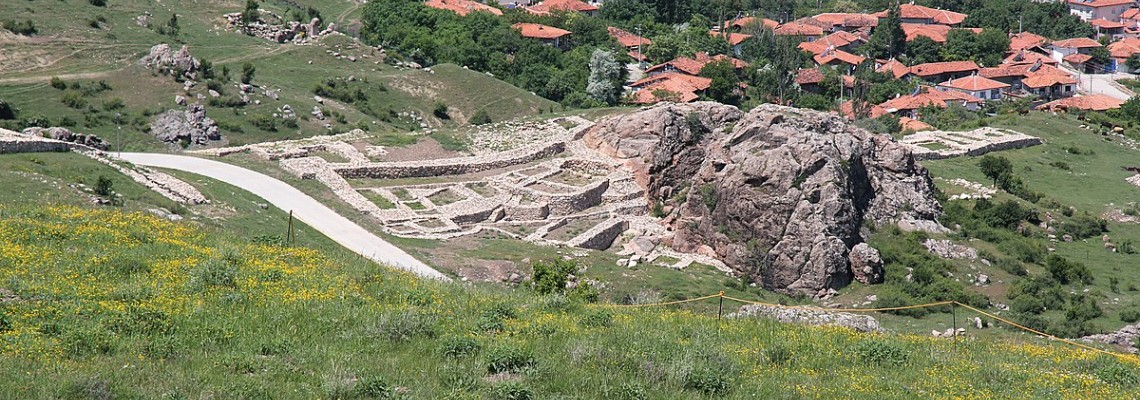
(722, 296)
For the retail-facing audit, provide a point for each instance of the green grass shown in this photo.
(179, 312)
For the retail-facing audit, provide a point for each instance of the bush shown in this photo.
(440, 111)
(512, 391)
(405, 325)
(550, 278)
(264, 122)
(1066, 271)
(708, 380)
(1113, 372)
(893, 298)
(508, 358)
(777, 354)
(214, 273)
(104, 186)
(26, 28)
(7, 111)
(113, 104)
(599, 318)
(1083, 226)
(98, 3)
(1129, 316)
(73, 98)
(457, 346)
(480, 118)
(58, 83)
(1012, 266)
(247, 72)
(880, 352)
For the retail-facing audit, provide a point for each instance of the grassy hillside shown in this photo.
(84, 45)
(102, 304)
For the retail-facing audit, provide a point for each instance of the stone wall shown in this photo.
(450, 166)
(575, 202)
(9, 145)
(601, 236)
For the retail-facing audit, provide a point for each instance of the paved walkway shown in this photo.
(305, 208)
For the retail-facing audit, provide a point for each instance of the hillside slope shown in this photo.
(102, 303)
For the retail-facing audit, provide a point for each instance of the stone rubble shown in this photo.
(949, 250)
(972, 143)
(857, 322)
(1124, 337)
(167, 62)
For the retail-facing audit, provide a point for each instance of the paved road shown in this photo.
(1105, 84)
(305, 208)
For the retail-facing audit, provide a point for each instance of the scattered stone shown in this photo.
(214, 94)
(1067, 238)
(179, 100)
(66, 135)
(949, 250)
(860, 323)
(866, 264)
(319, 99)
(165, 61)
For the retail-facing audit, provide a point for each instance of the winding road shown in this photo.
(305, 208)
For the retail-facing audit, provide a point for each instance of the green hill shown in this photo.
(100, 303)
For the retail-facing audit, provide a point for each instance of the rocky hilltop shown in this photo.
(779, 194)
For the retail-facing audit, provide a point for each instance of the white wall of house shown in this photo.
(1059, 53)
(1088, 13)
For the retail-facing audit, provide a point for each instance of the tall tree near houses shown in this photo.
(888, 40)
(604, 70)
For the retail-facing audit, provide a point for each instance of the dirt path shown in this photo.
(305, 208)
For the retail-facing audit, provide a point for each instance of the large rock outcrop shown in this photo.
(67, 135)
(166, 61)
(780, 194)
(191, 126)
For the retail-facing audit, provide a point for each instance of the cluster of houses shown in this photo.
(1034, 66)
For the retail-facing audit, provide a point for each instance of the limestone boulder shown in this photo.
(780, 194)
(191, 126)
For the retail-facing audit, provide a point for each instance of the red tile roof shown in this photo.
(1101, 3)
(894, 67)
(637, 57)
(626, 39)
(848, 20)
(838, 55)
(745, 21)
(1048, 79)
(932, 69)
(733, 38)
(693, 66)
(1025, 40)
(1124, 48)
(539, 31)
(914, 125)
(1132, 13)
(1106, 24)
(462, 7)
(937, 33)
(911, 11)
(683, 86)
(832, 41)
(973, 83)
(1094, 102)
(798, 29)
(1076, 43)
(1028, 57)
(1077, 58)
(549, 6)
(809, 76)
(928, 97)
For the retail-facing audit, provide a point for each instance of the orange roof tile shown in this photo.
(809, 76)
(1025, 40)
(832, 41)
(1124, 48)
(914, 125)
(798, 29)
(973, 83)
(1106, 24)
(894, 67)
(681, 85)
(549, 6)
(937, 33)
(626, 39)
(693, 66)
(745, 21)
(848, 20)
(733, 38)
(833, 55)
(928, 97)
(539, 31)
(1132, 13)
(1028, 57)
(697, 82)
(462, 7)
(931, 69)
(1076, 43)
(1048, 79)
(911, 11)
(1094, 102)
(1077, 58)
(1101, 3)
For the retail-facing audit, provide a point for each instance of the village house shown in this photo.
(1111, 29)
(977, 86)
(1109, 10)
(847, 22)
(551, 6)
(669, 86)
(1028, 57)
(1121, 51)
(634, 44)
(909, 105)
(1131, 21)
(916, 14)
(808, 32)
(735, 40)
(1028, 41)
(549, 35)
(740, 24)
(838, 58)
(841, 40)
(462, 7)
(944, 71)
(892, 67)
(692, 66)
(1050, 85)
(1075, 52)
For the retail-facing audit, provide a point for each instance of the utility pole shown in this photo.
(640, 58)
(119, 133)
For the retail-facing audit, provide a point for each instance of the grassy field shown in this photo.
(132, 306)
(71, 47)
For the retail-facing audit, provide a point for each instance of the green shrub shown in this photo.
(214, 273)
(584, 292)
(1061, 165)
(1066, 271)
(5, 322)
(58, 83)
(598, 318)
(25, 28)
(481, 117)
(880, 352)
(777, 354)
(264, 122)
(551, 277)
(247, 72)
(7, 112)
(1012, 266)
(1083, 226)
(73, 98)
(509, 358)
(1129, 316)
(405, 325)
(104, 186)
(440, 111)
(512, 391)
(86, 341)
(1114, 372)
(457, 346)
(708, 380)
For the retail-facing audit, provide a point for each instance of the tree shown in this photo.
(604, 70)
(725, 83)
(1100, 58)
(172, 26)
(247, 71)
(996, 168)
(252, 13)
(888, 40)
(923, 50)
(7, 111)
(961, 45)
(1133, 63)
(990, 45)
